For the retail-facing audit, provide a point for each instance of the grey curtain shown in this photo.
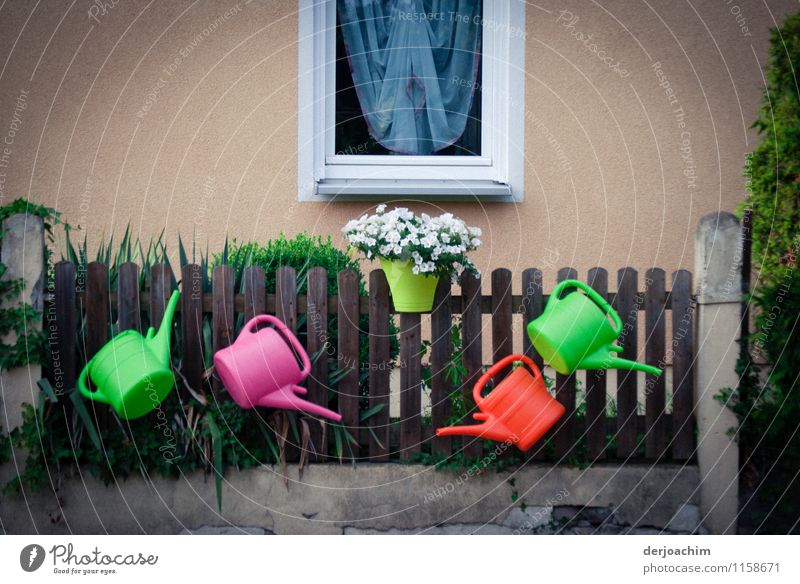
(414, 65)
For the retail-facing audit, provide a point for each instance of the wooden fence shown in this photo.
(588, 431)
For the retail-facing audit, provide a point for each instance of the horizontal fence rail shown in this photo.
(440, 355)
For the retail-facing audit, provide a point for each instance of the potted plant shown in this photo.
(414, 251)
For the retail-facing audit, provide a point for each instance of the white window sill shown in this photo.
(467, 190)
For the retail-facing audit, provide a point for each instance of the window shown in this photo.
(410, 99)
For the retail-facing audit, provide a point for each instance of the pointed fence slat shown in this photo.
(471, 352)
(160, 291)
(347, 329)
(531, 309)
(627, 404)
(98, 316)
(97, 308)
(564, 436)
(254, 292)
(502, 315)
(532, 304)
(441, 355)
(191, 305)
(286, 311)
(223, 318)
(380, 362)
(410, 385)
(596, 386)
(286, 296)
(655, 386)
(318, 345)
(682, 357)
(128, 311)
(65, 330)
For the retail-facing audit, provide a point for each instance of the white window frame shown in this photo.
(495, 175)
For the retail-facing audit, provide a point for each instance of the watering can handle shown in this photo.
(287, 334)
(96, 395)
(499, 366)
(591, 293)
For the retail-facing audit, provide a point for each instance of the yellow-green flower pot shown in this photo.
(410, 292)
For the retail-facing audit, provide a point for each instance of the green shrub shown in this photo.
(773, 170)
(767, 403)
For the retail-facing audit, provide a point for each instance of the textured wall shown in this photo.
(181, 115)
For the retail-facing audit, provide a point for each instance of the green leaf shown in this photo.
(44, 385)
(216, 443)
(88, 423)
(366, 414)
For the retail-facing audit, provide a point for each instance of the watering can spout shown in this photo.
(160, 339)
(605, 360)
(491, 428)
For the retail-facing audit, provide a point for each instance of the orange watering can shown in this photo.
(519, 409)
(574, 332)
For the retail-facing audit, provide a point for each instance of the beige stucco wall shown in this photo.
(109, 136)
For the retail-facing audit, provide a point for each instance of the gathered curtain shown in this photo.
(414, 65)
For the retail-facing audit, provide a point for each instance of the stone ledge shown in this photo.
(368, 498)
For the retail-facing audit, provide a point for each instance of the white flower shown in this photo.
(397, 232)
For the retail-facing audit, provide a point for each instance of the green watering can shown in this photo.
(132, 373)
(574, 332)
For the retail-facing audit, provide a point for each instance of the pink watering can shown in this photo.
(260, 369)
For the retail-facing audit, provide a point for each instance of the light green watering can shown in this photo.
(132, 373)
(574, 332)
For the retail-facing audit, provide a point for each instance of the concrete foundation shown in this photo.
(370, 498)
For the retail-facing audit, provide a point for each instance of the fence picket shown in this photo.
(655, 386)
(192, 366)
(97, 308)
(626, 304)
(410, 385)
(596, 386)
(286, 296)
(286, 311)
(471, 351)
(65, 329)
(502, 314)
(222, 316)
(128, 311)
(318, 345)
(347, 329)
(254, 292)
(564, 435)
(531, 309)
(98, 316)
(441, 354)
(682, 357)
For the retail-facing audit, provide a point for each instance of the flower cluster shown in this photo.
(437, 245)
